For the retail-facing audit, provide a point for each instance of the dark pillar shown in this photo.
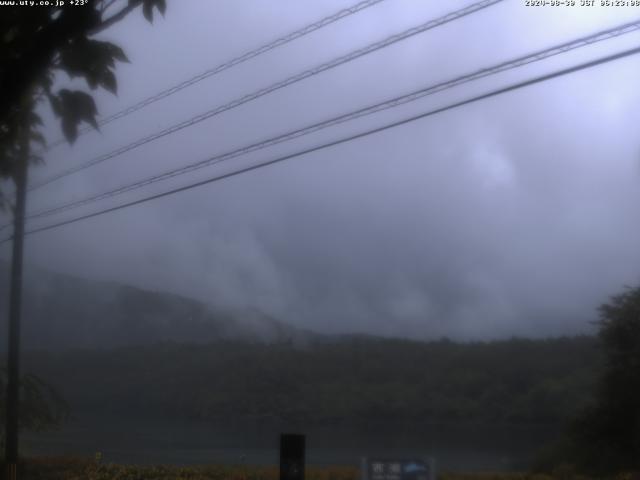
(15, 301)
(292, 449)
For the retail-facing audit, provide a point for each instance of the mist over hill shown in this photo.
(109, 346)
(62, 311)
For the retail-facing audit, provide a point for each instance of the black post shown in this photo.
(15, 301)
(292, 457)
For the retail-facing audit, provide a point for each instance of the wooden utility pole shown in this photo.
(15, 303)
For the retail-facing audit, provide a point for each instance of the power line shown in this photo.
(276, 86)
(494, 93)
(394, 102)
(290, 37)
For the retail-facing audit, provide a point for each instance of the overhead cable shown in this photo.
(494, 93)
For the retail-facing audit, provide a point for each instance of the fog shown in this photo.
(514, 216)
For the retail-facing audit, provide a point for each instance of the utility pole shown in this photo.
(15, 303)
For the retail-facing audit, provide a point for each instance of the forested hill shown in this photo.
(349, 380)
(62, 311)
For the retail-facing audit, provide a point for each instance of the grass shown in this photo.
(72, 468)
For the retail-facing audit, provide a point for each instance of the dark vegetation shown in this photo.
(340, 380)
(605, 437)
(268, 370)
(37, 45)
(42, 407)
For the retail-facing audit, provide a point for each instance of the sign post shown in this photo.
(397, 469)
(292, 453)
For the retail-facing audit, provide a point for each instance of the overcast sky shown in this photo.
(517, 215)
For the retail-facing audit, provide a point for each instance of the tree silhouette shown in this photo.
(608, 434)
(42, 407)
(36, 44)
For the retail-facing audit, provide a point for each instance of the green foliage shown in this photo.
(607, 434)
(92, 59)
(149, 5)
(36, 44)
(41, 407)
(74, 107)
(348, 381)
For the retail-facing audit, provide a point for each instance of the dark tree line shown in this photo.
(607, 434)
(350, 381)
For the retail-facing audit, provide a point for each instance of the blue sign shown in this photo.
(398, 469)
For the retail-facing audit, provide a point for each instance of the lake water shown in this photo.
(147, 441)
